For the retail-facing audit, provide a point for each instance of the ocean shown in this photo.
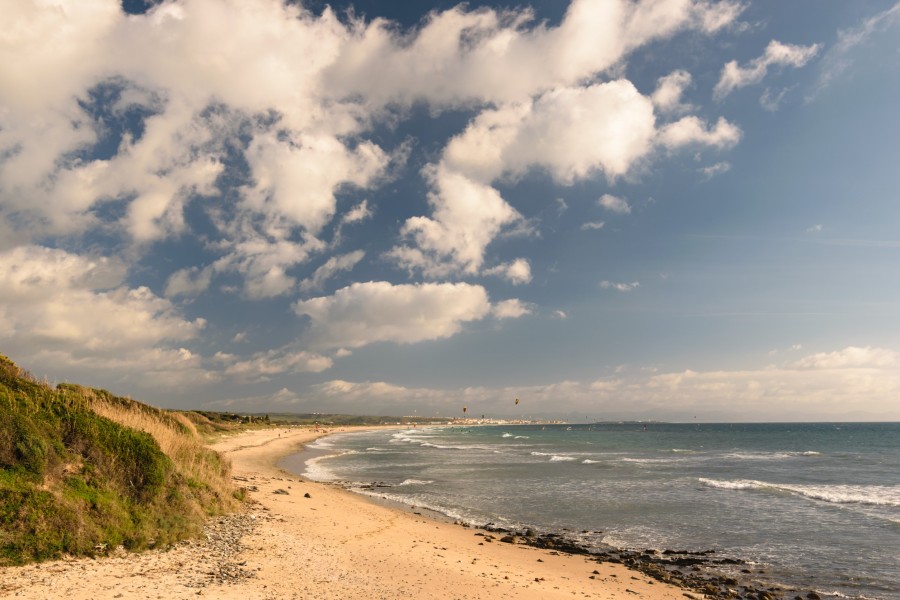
(811, 506)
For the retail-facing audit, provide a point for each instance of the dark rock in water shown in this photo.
(813, 596)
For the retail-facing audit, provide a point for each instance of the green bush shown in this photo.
(73, 481)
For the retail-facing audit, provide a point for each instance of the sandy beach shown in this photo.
(298, 539)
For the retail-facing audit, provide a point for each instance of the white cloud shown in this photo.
(77, 311)
(783, 394)
(511, 309)
(559, 314)
(691, 130)
(264, 263)
(202, 90)
(516, 272)
(279, 111)
(573, 133)
(862, 385)
(771, 100)
(283, 399)
(334, 265)
(778, 54)
(839, 57)
(365, 313)
(80, 302)
(716, 16)
(148, 369)
(292, 93)
(614, 204)
(297, 179)
(713, 170)
(374, 396)
(620, 287)
(262, 366)
(188, 282)
(669, 89)
(593, 225)
(358, 213)
(467, 216)
(817, 228)
(339, 395)
(460, 57)
(851, 357)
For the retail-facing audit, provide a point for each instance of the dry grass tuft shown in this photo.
(177, 438)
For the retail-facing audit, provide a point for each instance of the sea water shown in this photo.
(816, 506)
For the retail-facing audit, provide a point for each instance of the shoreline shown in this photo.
(301, 539)
(702, 573)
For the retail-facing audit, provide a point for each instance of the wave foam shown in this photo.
(316, 471)
(877, 495)
(416, 482)
(769, 455)
(649, 461)
(463, 447)
(557, 458)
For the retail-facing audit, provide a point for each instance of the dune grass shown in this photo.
(83, 471)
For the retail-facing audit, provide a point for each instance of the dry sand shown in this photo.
(331, 544)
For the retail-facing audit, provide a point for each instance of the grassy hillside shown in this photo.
(82, 470)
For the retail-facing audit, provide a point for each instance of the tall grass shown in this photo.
(82, 470)
(205, 470)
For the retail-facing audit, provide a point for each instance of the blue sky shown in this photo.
(668, 209)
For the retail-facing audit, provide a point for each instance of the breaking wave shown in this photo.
(876, 495)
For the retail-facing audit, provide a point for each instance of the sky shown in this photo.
(678, 210)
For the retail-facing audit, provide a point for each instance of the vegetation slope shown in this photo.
(82, 471)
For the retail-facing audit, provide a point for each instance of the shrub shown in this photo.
(81, 468)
